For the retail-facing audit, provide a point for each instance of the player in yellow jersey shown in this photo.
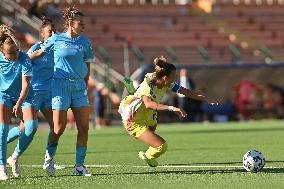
(139, 110)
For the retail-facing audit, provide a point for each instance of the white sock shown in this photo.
(15, 155)
(2, 167)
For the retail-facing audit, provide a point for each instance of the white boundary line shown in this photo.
(145, 166)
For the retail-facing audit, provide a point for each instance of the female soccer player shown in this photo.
(41, 80)
(72, 54)
(15, 75)
(139, 111)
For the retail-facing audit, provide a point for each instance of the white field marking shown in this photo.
(145, 166)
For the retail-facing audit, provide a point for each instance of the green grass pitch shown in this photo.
(199, 156)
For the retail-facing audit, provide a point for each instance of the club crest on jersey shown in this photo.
(80, 47)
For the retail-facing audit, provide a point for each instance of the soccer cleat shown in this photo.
(81, 171)
(150, 162)
(48, 166)
(15, 166)
(3, 173)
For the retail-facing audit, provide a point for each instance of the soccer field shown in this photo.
(199, 156)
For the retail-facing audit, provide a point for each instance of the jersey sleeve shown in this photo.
(144, 89)
(175, 87)
(88, 51)
(48, 45)
(33, 48)
(27, 67)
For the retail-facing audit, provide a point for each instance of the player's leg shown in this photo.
(81, 115)
(157, 147)
(47, 113)
(46, 109)
(15, 132)
(59, 124)
(61, 99)
(5, 117)
(81, 109)
(26, 137)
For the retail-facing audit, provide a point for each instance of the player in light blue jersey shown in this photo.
(15, 75)
(72, 54)
(41, 80)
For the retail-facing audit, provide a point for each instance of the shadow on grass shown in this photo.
(179, 172)
(199, 172)
(274, 161)
(233, 130)
(206, 163)
(273, 170)
(157, 173)
(166, 172)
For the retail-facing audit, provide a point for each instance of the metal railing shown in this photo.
(124, 2)
(21, 16)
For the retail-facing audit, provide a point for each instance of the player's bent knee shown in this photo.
(31, 126)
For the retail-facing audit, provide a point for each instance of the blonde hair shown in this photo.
(7, 36)
(69, 15)
(162, 67)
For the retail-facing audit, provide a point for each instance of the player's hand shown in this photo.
(179, 112)
(17, 110)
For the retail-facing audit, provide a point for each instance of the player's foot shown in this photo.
(81, 171)
(15, 166)
(48, 166)
(3, 173)
(150, 162)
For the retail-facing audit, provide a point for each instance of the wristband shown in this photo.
(171, 108)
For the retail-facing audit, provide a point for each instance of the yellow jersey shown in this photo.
(132, 107)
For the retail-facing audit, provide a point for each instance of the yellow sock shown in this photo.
(152, 153)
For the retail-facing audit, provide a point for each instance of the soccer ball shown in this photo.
(253, 161)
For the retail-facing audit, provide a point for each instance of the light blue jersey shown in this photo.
(43, 67)
(70, 55)
(11, 73)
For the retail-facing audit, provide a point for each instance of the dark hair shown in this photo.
(46, 22)
(162, 67)
(69, 14)
(7, 36)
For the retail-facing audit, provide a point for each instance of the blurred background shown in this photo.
(231, 50)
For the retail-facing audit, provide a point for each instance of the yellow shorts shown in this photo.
(136, 129)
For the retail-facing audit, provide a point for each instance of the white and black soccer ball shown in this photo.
(253, 161)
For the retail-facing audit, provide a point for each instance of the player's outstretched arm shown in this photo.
(196, 96)
(149, 104)
(36, 54)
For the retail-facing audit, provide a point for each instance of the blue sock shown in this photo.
(13, 134)
(80, 155)
(27, 136)
(4, 128)
(51, 149)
